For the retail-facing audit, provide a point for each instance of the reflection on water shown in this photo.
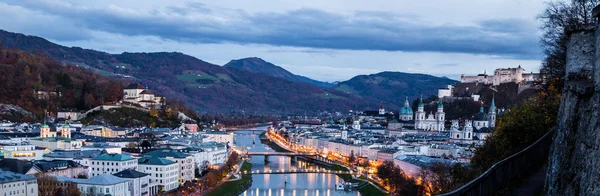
(313, 184)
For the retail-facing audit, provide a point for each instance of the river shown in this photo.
(274, 184)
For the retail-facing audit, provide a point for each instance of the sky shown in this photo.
(332, 40)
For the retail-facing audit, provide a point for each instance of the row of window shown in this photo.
(113, 163)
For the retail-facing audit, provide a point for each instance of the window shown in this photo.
(107, 190)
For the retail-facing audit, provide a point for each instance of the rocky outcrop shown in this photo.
(15, 113)
(574, 160)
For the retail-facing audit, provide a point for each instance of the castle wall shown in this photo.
(574, 152)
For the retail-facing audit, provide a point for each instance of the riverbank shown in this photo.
(364, 187)
(271, 144)
(242, 127)
(236, 187)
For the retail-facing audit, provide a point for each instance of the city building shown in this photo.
(219, 136)
(103, 146)
(186, 162)
(107, 163)
(216, 153)
(431, 122)
(17, 184)
(137, 94)
(139, 182)
(105, 184)
(163, 173)
(22, 152)
(66, 168)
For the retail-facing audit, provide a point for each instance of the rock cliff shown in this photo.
(574, 164)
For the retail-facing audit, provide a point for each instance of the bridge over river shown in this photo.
(297, 171)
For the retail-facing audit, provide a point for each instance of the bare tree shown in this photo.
(558, 18)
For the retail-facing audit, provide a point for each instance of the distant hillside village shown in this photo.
(109, 160)
(412, 139)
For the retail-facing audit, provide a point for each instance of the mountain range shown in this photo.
(248, 86)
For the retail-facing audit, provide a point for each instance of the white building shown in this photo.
(431, 122)
(111, 163)
(103, 146)
(69, 115)
(17, 184)
(138, 181)
(137, 94)
(217, 153)
(445, 92)
(105, 184)
(186, 162)
(163, 173)
(219, 137)
(22, 152)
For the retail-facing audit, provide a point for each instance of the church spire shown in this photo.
(421, 101)
(406, 104)
(493, 105)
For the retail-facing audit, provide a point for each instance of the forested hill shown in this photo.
(207, 87)
(40, 84)
(393, 87)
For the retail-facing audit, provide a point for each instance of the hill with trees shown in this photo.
(40, 84)
(258, 65)
(393, 87)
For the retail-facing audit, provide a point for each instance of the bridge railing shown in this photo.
(507, 170)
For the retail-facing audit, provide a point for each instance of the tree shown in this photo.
(153, 112)
(132, 145)
(47, 185)
(398, 182)
(557, 19)
(351, 158)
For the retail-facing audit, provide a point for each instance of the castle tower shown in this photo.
(492, 113)
(44, 131)
(440, 116)
(65, 131)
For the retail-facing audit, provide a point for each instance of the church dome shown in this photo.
(481, 116)
(406, 111)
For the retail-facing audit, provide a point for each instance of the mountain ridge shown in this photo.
(207, 87)
(258, 65)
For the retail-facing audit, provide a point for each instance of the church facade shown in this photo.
(475, 130)
(431, 122)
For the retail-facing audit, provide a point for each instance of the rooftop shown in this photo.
(130, 173)
(154, 161)
(113, 157)
(8, 176)
(104, 179)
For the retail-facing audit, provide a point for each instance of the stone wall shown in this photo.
(574, 163)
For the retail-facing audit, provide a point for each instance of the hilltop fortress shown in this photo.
(502, 75)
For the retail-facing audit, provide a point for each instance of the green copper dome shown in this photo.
(406, 110)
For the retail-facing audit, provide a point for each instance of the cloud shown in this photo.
(447, 65)
(309, 28)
